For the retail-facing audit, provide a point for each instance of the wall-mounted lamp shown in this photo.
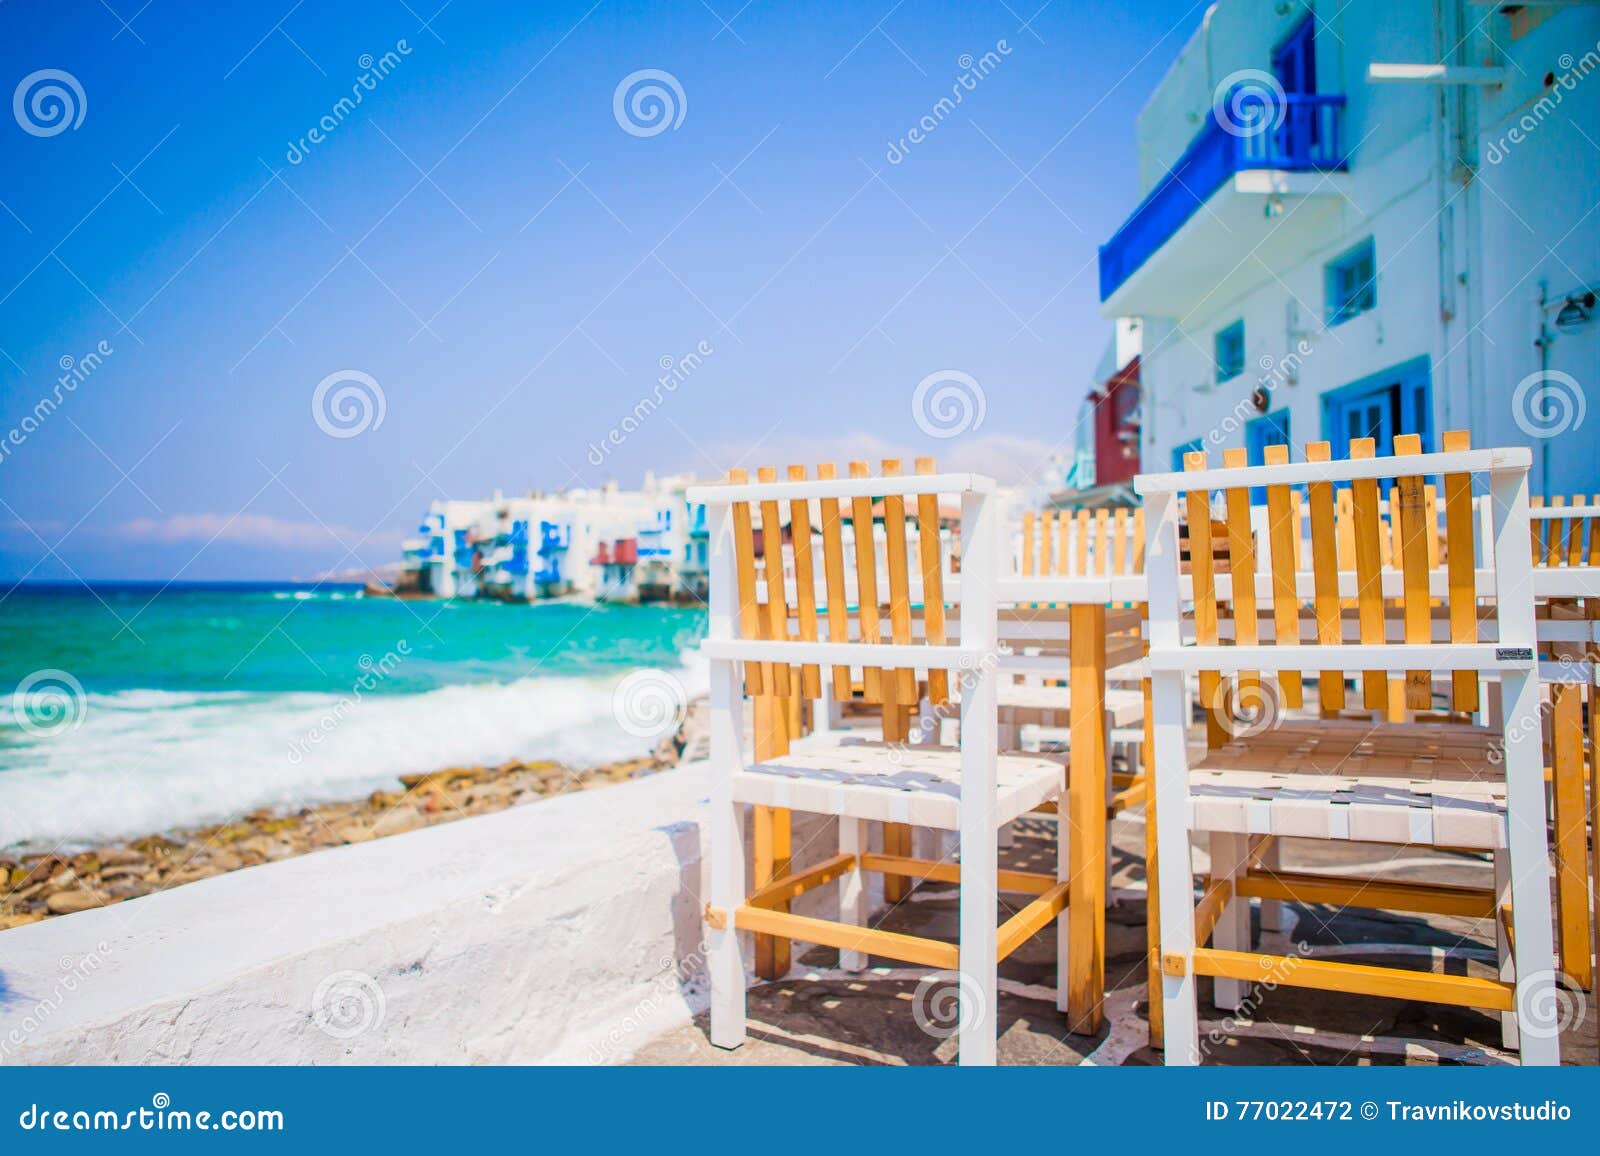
(1576, 312)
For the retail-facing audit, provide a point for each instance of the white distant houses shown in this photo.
(1362, 218)
(605, 544)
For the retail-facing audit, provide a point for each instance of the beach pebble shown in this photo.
(67, 902)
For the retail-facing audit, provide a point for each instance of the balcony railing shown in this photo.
(1249, 130)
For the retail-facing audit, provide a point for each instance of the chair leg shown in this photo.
(1179, 1012)
(853, 888)
(1006, 837)
(1502, 945)
(979, 985)
(1271, 909)
(725, 889)
(1532, 932)
(1063, 924)
(1229, 854)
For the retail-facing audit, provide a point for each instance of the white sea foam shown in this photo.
(146, 760)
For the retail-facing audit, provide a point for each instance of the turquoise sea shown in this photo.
(134, 708)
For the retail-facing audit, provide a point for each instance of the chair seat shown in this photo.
(893, 783)
(1022, 703)
(1418, 783)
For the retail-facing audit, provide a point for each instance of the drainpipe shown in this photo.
(1541, 304)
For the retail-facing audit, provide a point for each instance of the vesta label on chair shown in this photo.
(1513, 654)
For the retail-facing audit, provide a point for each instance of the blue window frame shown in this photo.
(1270, 429)
(1228, 347)
(1188, 447)
(1352, 283)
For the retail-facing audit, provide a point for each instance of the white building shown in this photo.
(605, 543)
(1363, 218)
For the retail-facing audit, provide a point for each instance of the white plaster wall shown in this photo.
(564, 931)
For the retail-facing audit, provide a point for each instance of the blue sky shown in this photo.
(482, 238)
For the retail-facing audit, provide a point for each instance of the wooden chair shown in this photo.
(1565, 536)
(1400, 783)
(756, 645)
(1082, 544)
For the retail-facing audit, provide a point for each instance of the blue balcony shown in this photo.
(1264, 130)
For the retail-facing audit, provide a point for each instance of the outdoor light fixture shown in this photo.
(1576, 312)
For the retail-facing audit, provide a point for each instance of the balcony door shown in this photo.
(1294, 62)
(1397, 401)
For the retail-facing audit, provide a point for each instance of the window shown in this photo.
(1352, 283)
(1229, 350)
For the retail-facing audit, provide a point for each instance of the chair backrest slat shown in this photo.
(1242, 569)
(1459, 531)
(897, 559)
(1369, 579)
(777, 616)
(866, 580)
(1410, 512)
(1325, 575)
(1203, 573)
(751, 614)
(930, 553)
(1283, 547)
(833, 575)
(805, 581)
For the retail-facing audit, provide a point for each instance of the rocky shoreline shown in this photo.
(37, 887)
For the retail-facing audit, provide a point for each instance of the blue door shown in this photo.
(1268, 430)
(1396, 401)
